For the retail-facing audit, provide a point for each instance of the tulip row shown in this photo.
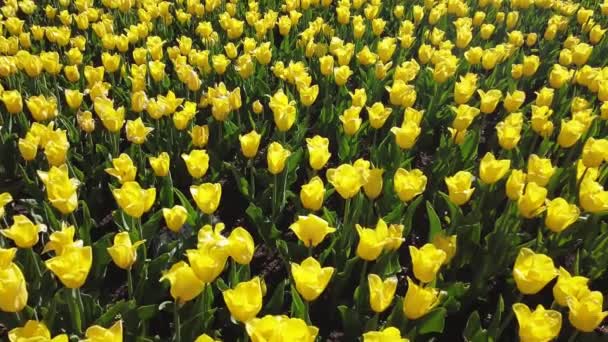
(303, 170)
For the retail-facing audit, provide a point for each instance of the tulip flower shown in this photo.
(311, 280)
(283, 110)
(419, 300)
(570, 133)
(5, 198)
(378, 114)
(427, 261)
(489, 100)
(538, 325)
(112, 119)
(586, 312)
(391, 334)
(373, 186)
(491, 169)
(185, 285)
(137, 132)
(312, 194)
(276, 157)
(124, 170)
(592, 196)
(560, 214)
(409, 184)
(459, 187)
(72, 266)
(371, 241)
(61, 239)
(123, 252)
(351, 121)
(464, 116)
(207, 262)
(23, 232)
(532, 271)
(569, 286)
(250, 143)
(199, 135)
(381, 293)
(532, 202)
(207, 196)
(240, 246)
(42, 108)
(97, 333)
(197, 163)
(346, 179)
(13, 289)
(311, 229)
(595, 152)
(60, 189)
(280, 329)
(244, 301)
(447, 244)
(12, 101)
(34, 331)
(342, 74)
(160, 164)
(175, 217)
(134, 200)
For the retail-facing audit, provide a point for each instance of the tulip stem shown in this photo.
(35, 262)
(573, 336)
(509, 318)
(363, 274)
(178, 332)
(346, 212)
(19, 318)
(74, 310)
(141, 237)
(130, 283)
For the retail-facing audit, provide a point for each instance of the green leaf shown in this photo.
(275, 303)
(409, 215)
(150, 228)
(186, 204)
(120, 308)
(434, 222)
(351, 322)
(147, 312)
(298, 308)
(433, 322)
(497, 318)
(84, 230)
(473, 327)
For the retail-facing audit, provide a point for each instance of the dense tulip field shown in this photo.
(303, 170)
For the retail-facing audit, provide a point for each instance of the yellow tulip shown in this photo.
(207, 262)
(595, 152)
(508, 135)
(427, 261)
(409, 184)
(465, 88)
(185, 285)
(373, 186)
(240, 246)
(326, 65)
(390, 334)
(530, 65)
(491, 170)
(42, 108)
(465, 115)
(570, 133)
(311, 280)
(568, 286)
(346, 179)
(13, 290)
(532, 202)
(57, 147)
(560, 214)
(97, 333)
(419, 300)
(407, 134)
(514, 187)
(312, 194)
(73, 98)
(112, 118)
(60, 189)
(402, 94)
(244, 301)
(257, 107)
(276, 157)
(540, 170)
(110, 62)
(137, 132)
(318, 151)
(459, 187)
(539, 325)
(280, 329)
(311, 229)
(351, 120)
(586, 312)
(61, 239)
(381, 293)
(72, 266)
(489, 100)
(544, 97)
(23, 232)
(448, 244)
(34, 331)
(160, 164)
(85, 121)
(342, 74)
(207, 196)
(5, 198)
(592, 196)
(378, 114)
(250, 143)
(283, 110)
(123, 252)
(12, 101)
(532, 271)
(28, 147)
(199, 135)
(197, 162)
(308, 95)
(205, 338)
(559, 76)
(175, 217)
(134, 200)
(124, 169)
(371, 241)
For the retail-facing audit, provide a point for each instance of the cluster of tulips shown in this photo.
(303, 170)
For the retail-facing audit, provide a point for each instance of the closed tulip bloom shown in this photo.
(592, 196)
(544, 97)
(72, 266)
(85, 120)
(12, 101)
(532, 202)
(123, 252)
(97, 333)
(73, 98)
(448, 244)
(112, 118)
(559, 76)
(175, 217)
(381, 293)
(465, 88)
(60, 188)
(530, 65)
(244, 301)
(326, 65)
(134, 200)
(394, 238)
(402, 94)
(59, 240)
(346, 179)
(197, 162)
(28, 147)
(560, 214)
(124, 170)
(207, 262)
(310, 278)
(539, 325)
(581, 53)
(42, 108)
(378, 114)
(373, 186)
(459, 187)
(276, 157)
(13, 289)
(23, 232)
(311, 229)
(508, 135)
(457, 136)
(390, 334)
(419, 300)
(280, 329)
(351, 121)
(491, 169)
(318, 151)
(515, 184)
(464, 116)
(207, 196)
(371, 241)
(406, 135)
(34, 331)
(342, 74)
(308, 95)
(586, 312)
(5, 198)
(199, 135)
(240, 246)
(409, 184)
(205, 338)
(426, 261)
(514, 100)
(250, 143)
(532, 271)
(185, 285)
(540, 170)
(587, 172)
(568, 286)
(137, 132)
(570, 133)
(160, 164)
(489, 100)
(595, 152)
(312, 194)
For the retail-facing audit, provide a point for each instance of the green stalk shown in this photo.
(130, 283)
(274, 196)
(74, 311)
(509, 318)
(178, 330)
(573, 336)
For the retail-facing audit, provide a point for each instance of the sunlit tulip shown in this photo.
(134, 200)
(459, 187)
(72, 266)
(123, 252)
(569, 286)
(311, 229)
(185, 285)
(137, 132)
(23, 231)
(586, 311)
(13, 287)
(197, 162)
(160, 164)
(318, 151)
(391, 334)
(34, 331)
(311, 279)
(97, 333)
(207, 196)
(371, 241)
(244, 301)
(532, 271)
(419, 300)
(123, 169)
(448, 244)
(538, 325)
(381, 292)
